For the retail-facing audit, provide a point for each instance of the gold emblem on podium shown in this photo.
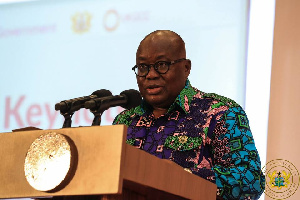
(50, 162)
(282, 179)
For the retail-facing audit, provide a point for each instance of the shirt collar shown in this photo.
(183, 100)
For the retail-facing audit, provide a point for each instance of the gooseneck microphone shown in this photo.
(127, 99)
(78, 103)
(68, 107)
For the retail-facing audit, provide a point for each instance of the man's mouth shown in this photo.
(154, 89)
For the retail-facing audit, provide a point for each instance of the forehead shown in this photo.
(157, 47)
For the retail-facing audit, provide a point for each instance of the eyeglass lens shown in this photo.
(143, 69)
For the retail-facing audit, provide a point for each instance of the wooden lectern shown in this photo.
(107, 168)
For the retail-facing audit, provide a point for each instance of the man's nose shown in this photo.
(152, 73)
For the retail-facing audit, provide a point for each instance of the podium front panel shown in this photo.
(98, 171)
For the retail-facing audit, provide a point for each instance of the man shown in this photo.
(206, 134)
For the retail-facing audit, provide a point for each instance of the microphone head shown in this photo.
(58, 106)
(134, 98)
(102, 93)
(77, 103)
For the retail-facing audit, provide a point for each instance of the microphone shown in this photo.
(75, 104)
(127, 99)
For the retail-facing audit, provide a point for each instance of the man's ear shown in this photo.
(188, 66)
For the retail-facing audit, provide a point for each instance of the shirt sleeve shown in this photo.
(237, 165)
(122, 118)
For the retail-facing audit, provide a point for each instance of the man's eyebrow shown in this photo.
(142, 58)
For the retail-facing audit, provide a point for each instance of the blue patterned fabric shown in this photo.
(207, 134)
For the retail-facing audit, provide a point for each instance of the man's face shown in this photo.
(160, 90)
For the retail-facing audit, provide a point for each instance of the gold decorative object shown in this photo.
(49, 161)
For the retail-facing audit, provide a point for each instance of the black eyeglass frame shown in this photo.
(168, 63)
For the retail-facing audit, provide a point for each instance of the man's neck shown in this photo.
(157, 112)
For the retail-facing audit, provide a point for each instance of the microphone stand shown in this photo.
(68, 119)
(68, 113)
(98, 106)
(97, 118)
(98, 111)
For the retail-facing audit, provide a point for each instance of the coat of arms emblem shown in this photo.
(280, 179)
(81, 22)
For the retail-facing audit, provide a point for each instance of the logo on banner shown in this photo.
(282, 179)
(81, 22)
(111, 20)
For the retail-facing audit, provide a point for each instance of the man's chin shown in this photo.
(157, 101)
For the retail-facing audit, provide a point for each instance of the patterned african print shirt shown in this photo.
(207, 134)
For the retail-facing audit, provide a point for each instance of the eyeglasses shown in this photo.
(160, 67)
